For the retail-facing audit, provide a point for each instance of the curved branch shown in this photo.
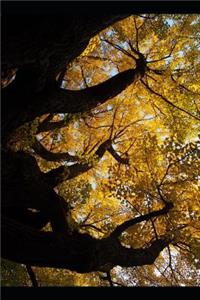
(68, 101)
(50, 156)
(61, 76)
(58, 41)
(121, 228)
(43, 61)
(58, 100)
(62, 173)
(77, 252)
(36, 220)
(142, 256)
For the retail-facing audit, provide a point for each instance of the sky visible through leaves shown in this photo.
(155, 124)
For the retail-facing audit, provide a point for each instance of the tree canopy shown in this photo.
(100, 149)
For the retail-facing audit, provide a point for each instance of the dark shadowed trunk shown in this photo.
(40, 48)
(77, 252)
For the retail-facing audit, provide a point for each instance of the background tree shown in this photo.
(100, 148)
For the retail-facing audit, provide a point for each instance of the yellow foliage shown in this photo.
(160, 139)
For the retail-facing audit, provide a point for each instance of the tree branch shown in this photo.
(83, 76)
(142, 256)
(61, 76)
(44, 61)
(77, 252)
(119, 48)
(165, 57)
(32, 276)
(121, 228)
(181, 86)
(169, 102)
(50, 156)
(68, 101)
(136, 33)
(108, 277)
(49, 126)
(92, 226)
(62, 173)
(118, 158)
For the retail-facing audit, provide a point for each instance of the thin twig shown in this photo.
(118, 48)
(164, 57)
(83, 76)
(136, 33)
(168, 102)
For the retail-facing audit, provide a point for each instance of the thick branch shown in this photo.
(25, 245)
(36, 219)
(140, 256)
(118, 158)
(62, 173)
(58, 100)
(50, 156)
(40, 52)
(32, 276)
(33, 37)
(22, 178)
(68, 101)
(77, 252)
(121, 228)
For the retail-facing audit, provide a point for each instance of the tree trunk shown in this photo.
(40, 47)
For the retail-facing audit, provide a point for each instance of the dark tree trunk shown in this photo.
(40, 48)
(53, 99)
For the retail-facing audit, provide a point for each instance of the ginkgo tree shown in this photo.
(100, 147)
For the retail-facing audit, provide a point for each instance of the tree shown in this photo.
(100, 140)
